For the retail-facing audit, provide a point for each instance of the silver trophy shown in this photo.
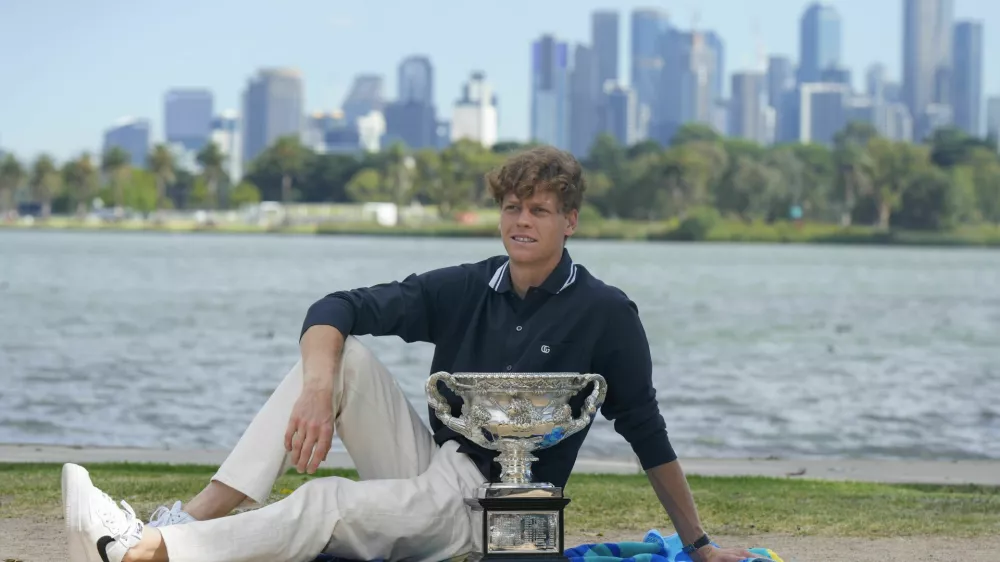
(516, 414)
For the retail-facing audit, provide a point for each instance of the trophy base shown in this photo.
(520, 522)
(506, 557)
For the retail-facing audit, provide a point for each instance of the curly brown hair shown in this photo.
(543, 168)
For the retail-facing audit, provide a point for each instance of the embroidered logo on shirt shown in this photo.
(546, 349)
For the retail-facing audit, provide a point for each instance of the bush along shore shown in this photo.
(695, 228)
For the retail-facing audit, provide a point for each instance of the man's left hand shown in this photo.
(712, 554)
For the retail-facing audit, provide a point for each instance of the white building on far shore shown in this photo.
(475, 115)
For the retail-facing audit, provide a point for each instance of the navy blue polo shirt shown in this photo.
(573, 322)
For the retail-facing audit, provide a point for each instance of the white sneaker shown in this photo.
(173, 516)
(99, 531)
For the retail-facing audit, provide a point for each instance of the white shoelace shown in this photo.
(164, 516)
(130, 532)
(159, 517)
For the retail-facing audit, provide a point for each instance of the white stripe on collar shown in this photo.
(570, 279)
(497, 276)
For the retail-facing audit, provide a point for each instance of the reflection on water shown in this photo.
(159, 340)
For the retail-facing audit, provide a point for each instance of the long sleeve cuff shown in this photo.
(330, 311)
(654, 450)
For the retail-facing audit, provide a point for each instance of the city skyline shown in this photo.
(53, 130)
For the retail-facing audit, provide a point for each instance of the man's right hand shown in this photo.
(310, 429)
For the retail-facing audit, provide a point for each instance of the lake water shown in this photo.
(160, 340)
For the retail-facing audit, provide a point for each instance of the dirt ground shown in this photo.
(40, 540)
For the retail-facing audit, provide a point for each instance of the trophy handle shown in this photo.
(440, 405)
(591, 404)
(596, 398)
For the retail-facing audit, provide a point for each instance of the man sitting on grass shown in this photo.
(533, 310)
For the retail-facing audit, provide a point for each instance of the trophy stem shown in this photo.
(515, 462)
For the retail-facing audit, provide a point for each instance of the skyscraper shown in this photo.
(416, 80)
(927, 44)
(584, 101)
(781, 98)
(272, 108)
(967, 76)
(746, 115)
(649, 32)
(549, 92)
(686, 93)
(412, 118)
(699, 78)
(780, 79)
(604, 41)
(898, 123)
(993, 118)
(618, 113)
(787, 122)
(819, 41)
(132, 136)
(875, 82)
(188, 115)
(365, 96)
(411, 123)
(823, 112)
(783, 126)
(717, 80)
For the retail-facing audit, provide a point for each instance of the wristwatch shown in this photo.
(702, 541)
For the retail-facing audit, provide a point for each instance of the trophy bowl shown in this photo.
(516, 413)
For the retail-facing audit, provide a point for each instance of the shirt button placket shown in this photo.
(518, 329)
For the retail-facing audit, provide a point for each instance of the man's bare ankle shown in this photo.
(216, 500)
(203, 511)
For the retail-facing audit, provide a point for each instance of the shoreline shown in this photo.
(739, 233)
(885, 471)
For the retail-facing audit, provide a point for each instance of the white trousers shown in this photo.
(409, 504)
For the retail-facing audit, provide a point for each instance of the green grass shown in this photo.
(602, 503)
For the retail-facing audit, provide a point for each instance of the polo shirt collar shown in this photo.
(561, 277)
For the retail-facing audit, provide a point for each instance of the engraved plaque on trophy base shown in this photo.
(521, 523)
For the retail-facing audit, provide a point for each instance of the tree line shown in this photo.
(947, 180)
(111, 178)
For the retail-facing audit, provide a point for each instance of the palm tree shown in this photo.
(80, 178)
(211, 159)
(11, 176)
(852, 165)
(161, 163)
(290, 157)
(45, 182)
(116, 164)
(400, 173)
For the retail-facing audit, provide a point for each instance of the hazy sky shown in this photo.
(71, 68)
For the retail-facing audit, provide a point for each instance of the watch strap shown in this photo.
(703, 540)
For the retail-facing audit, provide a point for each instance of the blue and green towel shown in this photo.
(653, 548)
